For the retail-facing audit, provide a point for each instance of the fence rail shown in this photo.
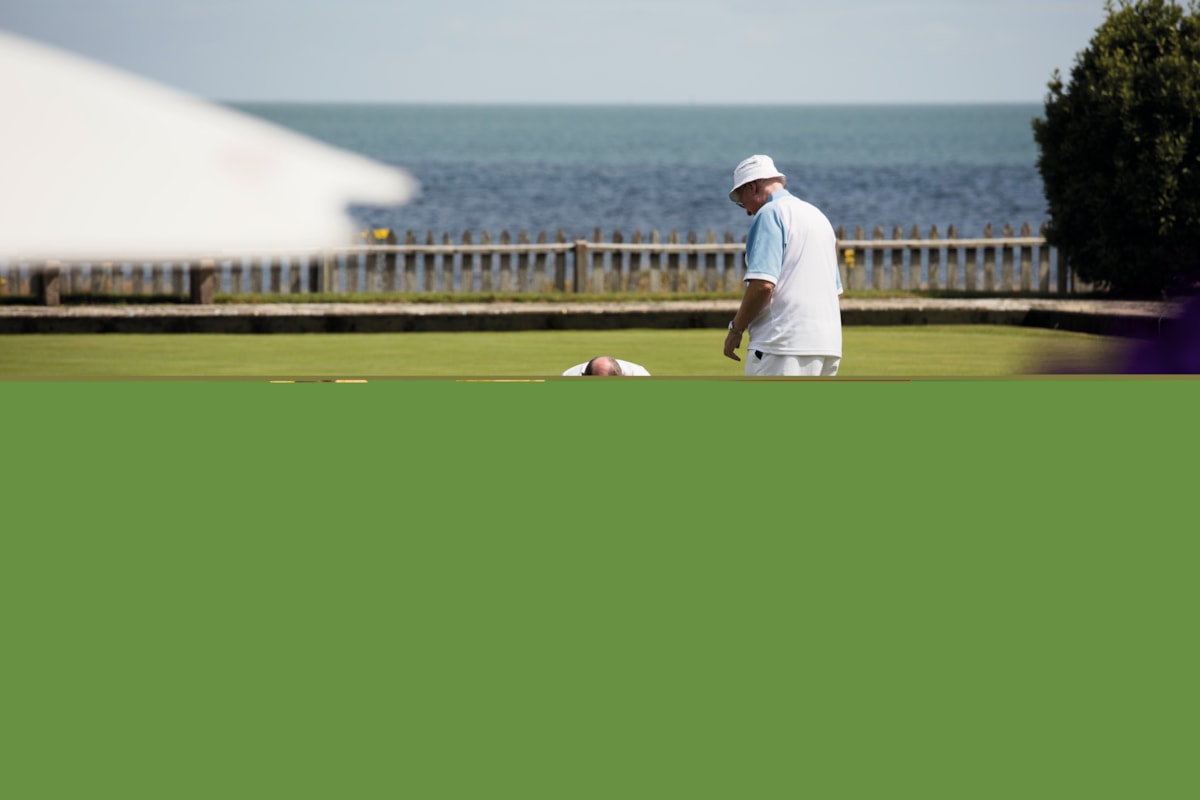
(477, 264)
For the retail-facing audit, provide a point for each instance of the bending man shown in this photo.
(790, 306)
(607, 365)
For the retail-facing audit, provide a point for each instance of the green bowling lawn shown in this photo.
(885, 351)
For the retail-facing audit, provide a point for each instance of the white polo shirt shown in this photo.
(793, 245)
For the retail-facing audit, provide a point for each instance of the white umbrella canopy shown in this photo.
(99, 163)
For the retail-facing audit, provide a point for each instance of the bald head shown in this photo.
(603, 365)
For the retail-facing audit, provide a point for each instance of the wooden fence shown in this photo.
(643, 263)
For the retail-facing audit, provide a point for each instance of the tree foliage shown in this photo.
(1120, 151)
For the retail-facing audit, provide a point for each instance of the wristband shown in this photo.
(735, 330)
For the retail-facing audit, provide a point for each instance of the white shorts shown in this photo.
(759, 364)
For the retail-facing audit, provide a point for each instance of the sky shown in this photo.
(569, 51)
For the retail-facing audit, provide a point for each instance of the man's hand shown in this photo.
(733, 340)
(756, 298)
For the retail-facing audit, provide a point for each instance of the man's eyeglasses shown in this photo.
(741, 201)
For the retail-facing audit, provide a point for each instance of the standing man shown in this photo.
(790, 306)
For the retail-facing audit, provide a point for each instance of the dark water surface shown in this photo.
(629, 168)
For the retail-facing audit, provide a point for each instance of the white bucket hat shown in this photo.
(753, 168)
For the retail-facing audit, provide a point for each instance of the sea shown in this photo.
(625, 168)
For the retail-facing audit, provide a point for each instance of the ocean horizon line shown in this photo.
(492, 104)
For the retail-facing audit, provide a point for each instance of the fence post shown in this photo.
(507, 281)
(541, 280)
(276, 275)
(202, 279)
(294, 276)
(1026, 260)
(98, 276)
(616, 275)
(389, 263)
(581, 259)
(560, 263)
(1044, 267)
(596, 263)
(897, 254)
(656, 277)
(371, 266)
(914, 259)
(710, 262)
(510, 269)
(635, 264)
(470, 260)
(137, 279)
(376, 262)
(972, 267)
(318, 281)
(116, 279)
(691, 265)
(328, 268)
(877, 267)
(935, 259)
(47, 283)
(429, 262)
(673, 264)
(861, 258)
(1006, 262)
(352, 272)
(989, 263)
(256, 283)
(486, 283)
(951, 258)
(730, 263)
(447, 276)
(524, 278)
(404, 271)
(1061, 281)
(312, 277)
